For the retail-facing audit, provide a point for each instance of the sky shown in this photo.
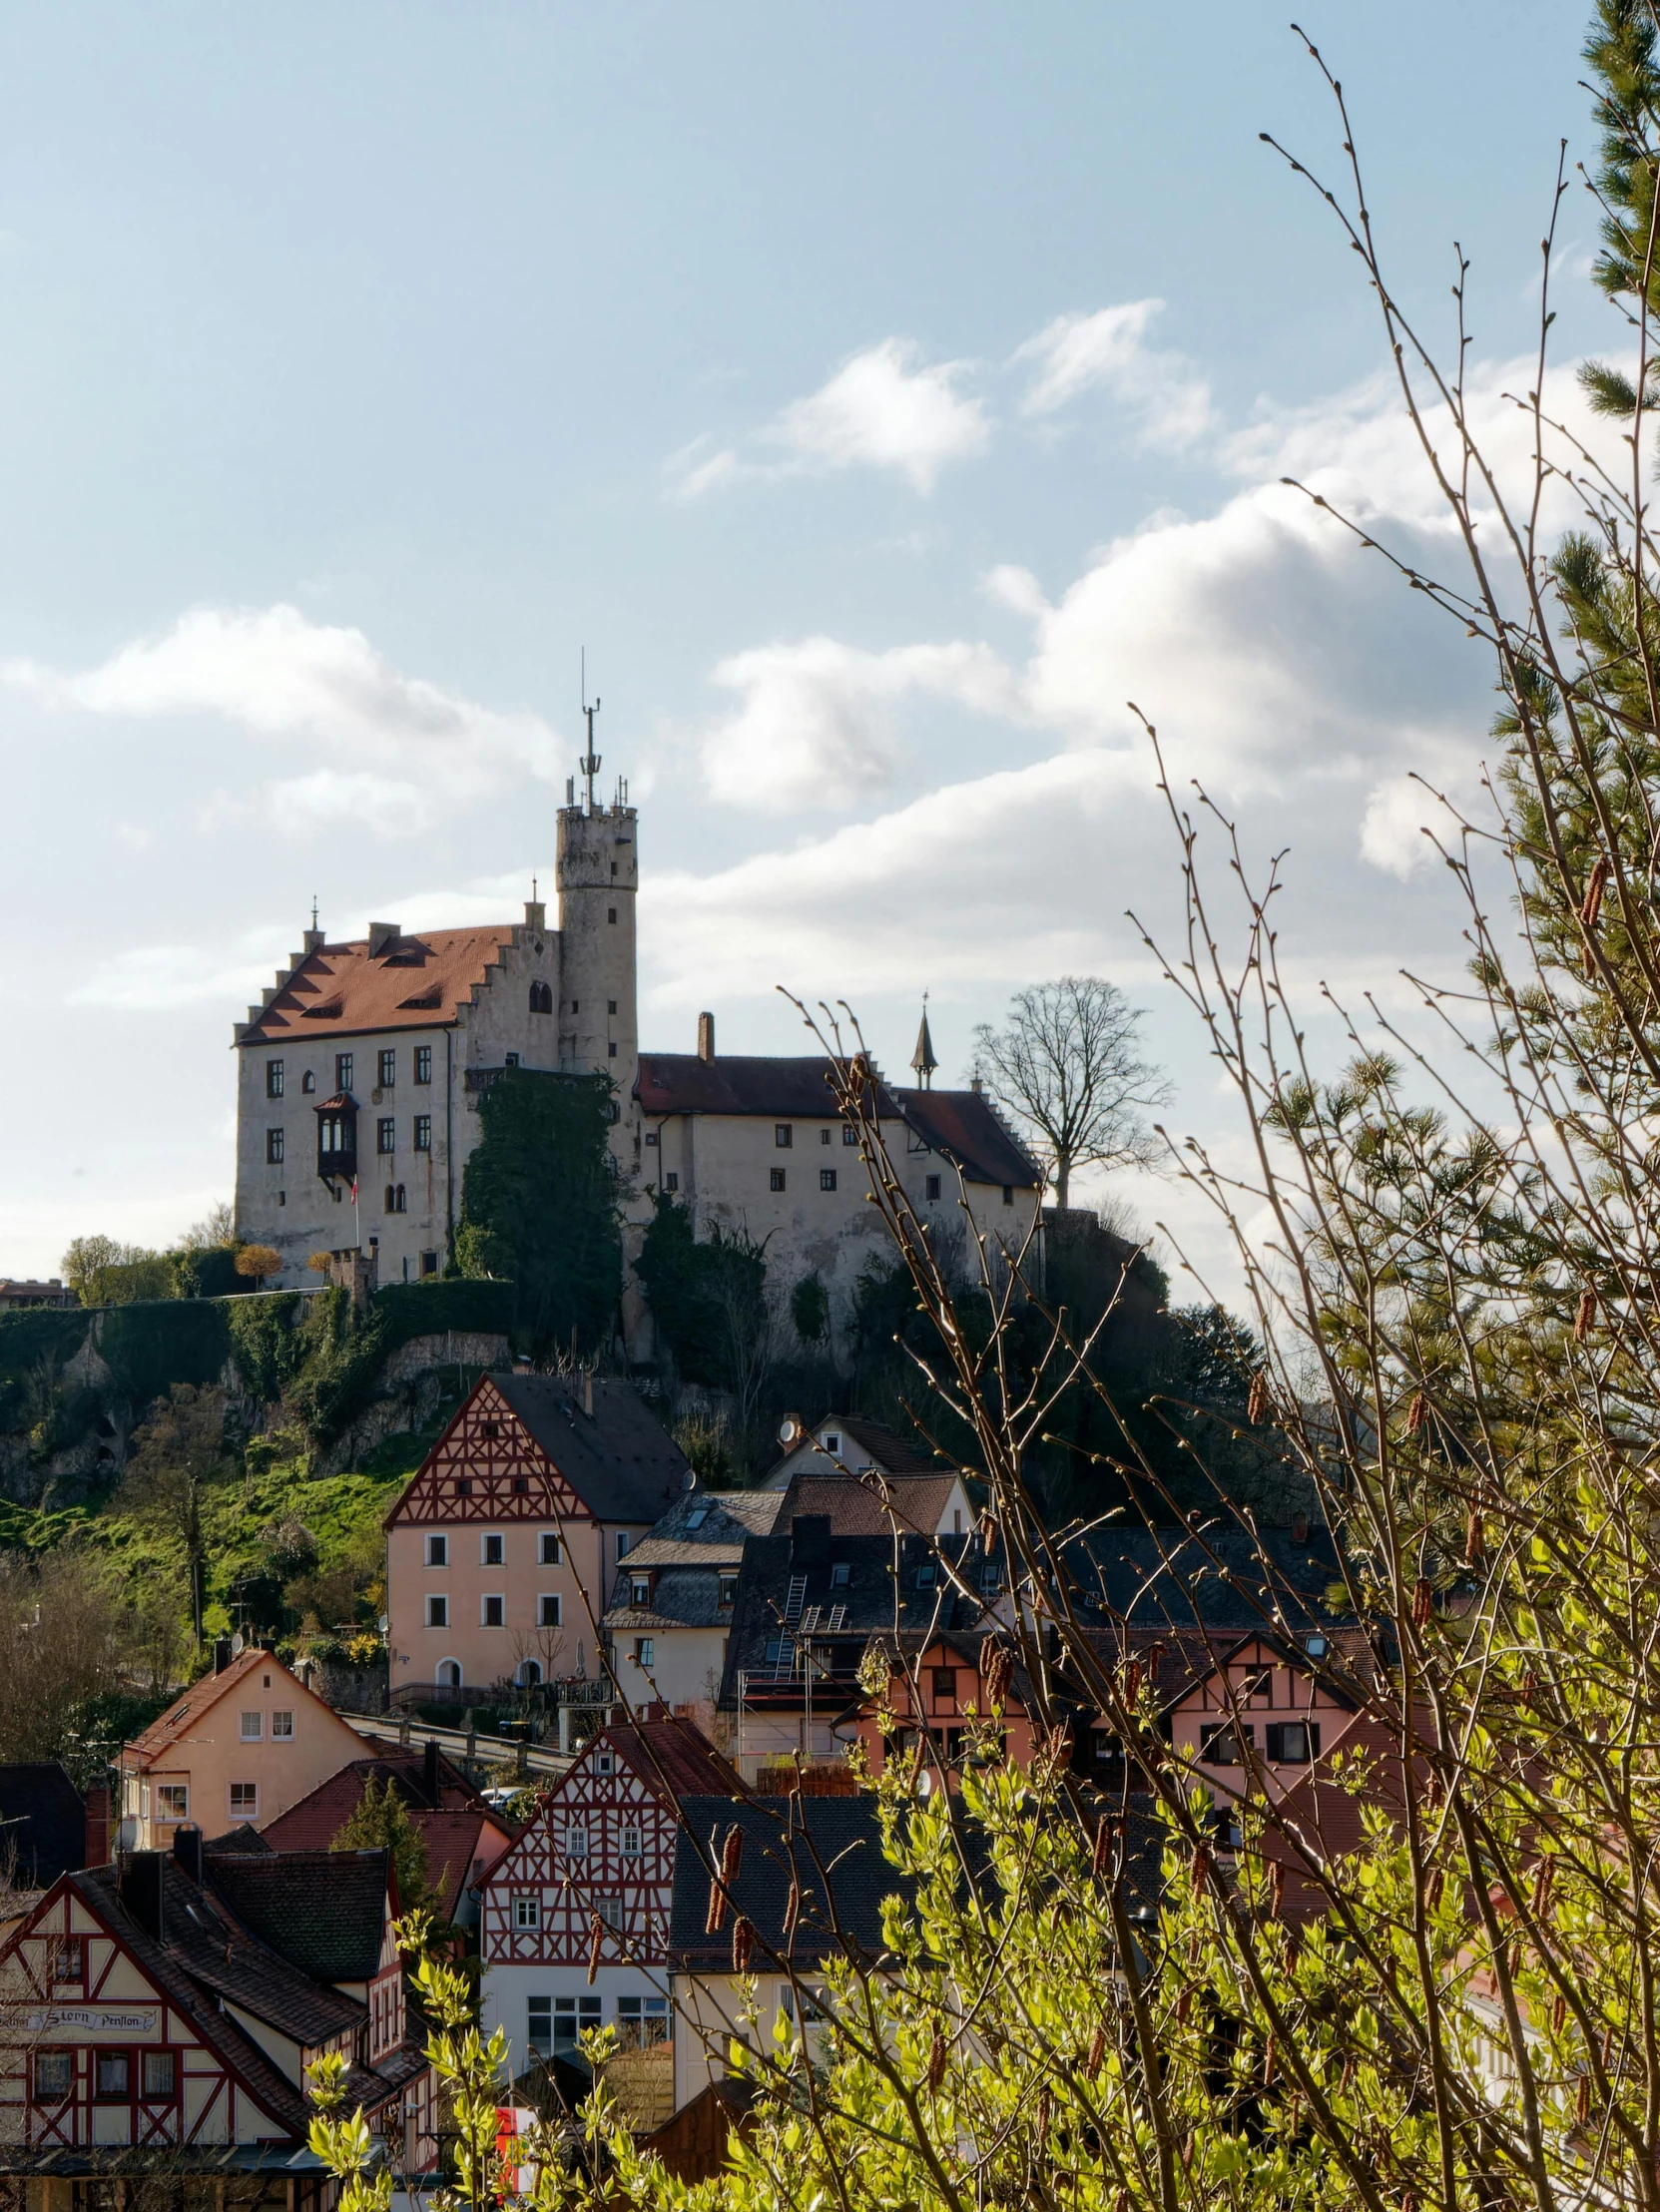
(882, 397)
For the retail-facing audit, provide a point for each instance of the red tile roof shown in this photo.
(175, 1725)
(418, 981)
(864, 1505)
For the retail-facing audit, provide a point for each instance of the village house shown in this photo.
(362, 1070)
(239, 1747)
(938, 1704)
(757, 1145)
(595, 1866)
(501, 1550)
(845, 1443)
(829, 1848)
(170, 2007)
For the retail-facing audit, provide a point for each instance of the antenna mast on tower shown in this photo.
(589, 764)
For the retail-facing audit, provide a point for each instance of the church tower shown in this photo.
(598, 878)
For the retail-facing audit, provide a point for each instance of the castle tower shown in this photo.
(598, 877)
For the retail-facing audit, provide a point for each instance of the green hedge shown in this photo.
(449, 1302)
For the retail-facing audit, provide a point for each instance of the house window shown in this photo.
(775, 1180)
(840, 1574)
(640, 1590)
(784, 1135)
(343, 1071)
(609, 1910)
(307, 1082)
(438, 1613)
(463, 1486)
(67, 1963)
(423, 1132)
(273, 1148)
(630, 1846)
(437, 1552)
(547, 1609)
(1219, 1745)
(573, 2018)
(539, 2025)
(946, 1688)
(490, 1429)
(245, 1801)
(388, 1068)
(1008, 1194)
(161, 2076)
(527, 1913)
(1256, 1687)
(173, 1799)
(273, 1079)
(112, 2076)
(492, 1612)
(849, 1135)
(645, 1652)
(576, 1844)
(281, 1728)
(605, 1762)
(492, 1550)
(827, 1179)
(832, 1441)
(930, 1186)
(1293, 1743)
(671, 1182)
(252, 1728)
(423, 1064)
(928, 1574)
(53, 2076)
(385, 1134)
(642, 2022)
(622, 1543)
(729, 1589)
(548, 1550)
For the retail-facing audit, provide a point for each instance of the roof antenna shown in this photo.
(589, 764)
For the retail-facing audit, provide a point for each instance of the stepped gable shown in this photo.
(325, 1912)
(406, 983)
(525, 1448)
(965, 1128)
(741, 1083)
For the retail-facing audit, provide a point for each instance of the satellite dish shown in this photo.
(789, 1431)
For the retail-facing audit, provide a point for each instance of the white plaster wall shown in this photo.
(685, 1663)
(507, 1991)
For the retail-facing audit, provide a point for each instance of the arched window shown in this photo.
(402, 1206)
(541, 998)
(391, 1199)
(449, 1674)
(530, 1673)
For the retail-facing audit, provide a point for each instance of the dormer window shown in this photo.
(640, 1589)
(841, 1575)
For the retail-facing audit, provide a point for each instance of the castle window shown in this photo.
(423, 1132)
(388, 1068)
(282, 1198)
(273, 1079)
(611, 1005)
(576, 1005)
(775, 1180)
(512, 1059)
(343, 1071)
(671, 1182)
(930, 1186)
(338, 1141)
(827, 1179)
(1008, 1194)
(611, 914)
(307, 1082)
(385, 1134)
(430, 1263)
(611, 1051)
(651, 1136)
(541, 998)
(423, 1064)
(273, 1147)
(547, 1609)
(784, 1135)
(401, 1202)
(849, 1135)
(613, 868)
(824, 1136)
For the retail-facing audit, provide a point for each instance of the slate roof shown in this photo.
(832, 1845)
(874, 1601)
(725, 1521)
(43, 1823)
(418, 981)
(741, 1083)
(1216, 1578)
(620, 1461)
(325, 1912)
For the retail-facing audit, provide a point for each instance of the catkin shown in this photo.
(1583, 1319)
(743, 1945)
(595, 1936)
(1256, 1404)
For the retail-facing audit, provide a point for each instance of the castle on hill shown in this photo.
(361, 1072)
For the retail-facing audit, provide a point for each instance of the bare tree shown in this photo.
(1067, 1068)
(179, 1455)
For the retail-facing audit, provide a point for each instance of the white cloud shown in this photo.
(814, 724)
(163, 978)
(401, 751)
(1399, 812)
(1109, 350)
(886, 408)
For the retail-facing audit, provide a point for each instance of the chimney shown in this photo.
(221, 1654)
(535, 913)
(139, 1886)
(187, 1850)
(1299, 1528)
(809, 1539)
(706, 1036)
(383, 936)
(429, 1772)
(976, 1085)
(97, 1852)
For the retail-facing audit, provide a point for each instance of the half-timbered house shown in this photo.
(937, 1705)
(500, 1552)
(161, 2013)
(594, 1868)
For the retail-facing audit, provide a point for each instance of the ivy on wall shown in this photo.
(708, 1300)
(539, 1206)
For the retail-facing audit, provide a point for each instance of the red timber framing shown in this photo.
(602, 1842)
(95, 2055)
(506, 1475)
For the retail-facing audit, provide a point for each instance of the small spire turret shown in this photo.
(922, 1060)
